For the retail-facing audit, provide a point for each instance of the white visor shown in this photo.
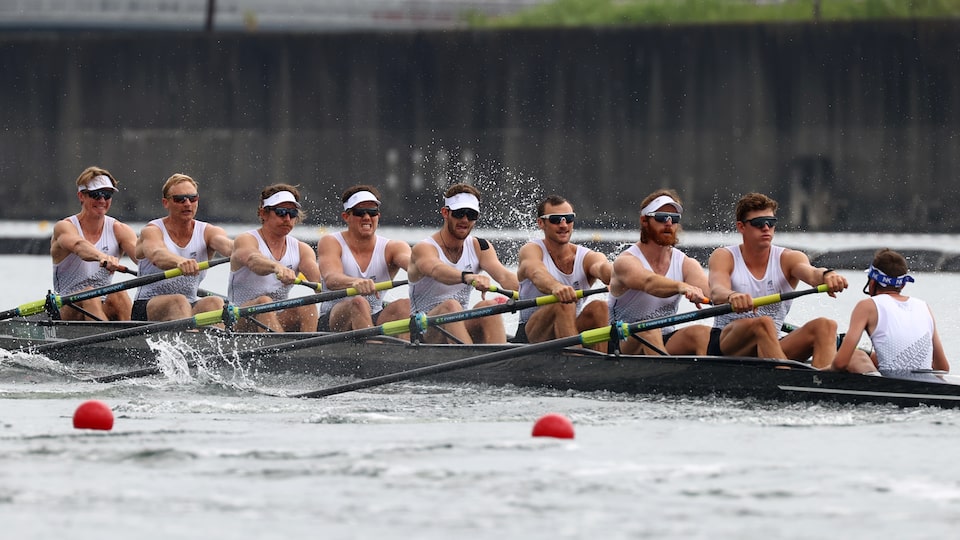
(280, 197)
(359, 197)
(659, 202)
(98, 182)
(462, 200)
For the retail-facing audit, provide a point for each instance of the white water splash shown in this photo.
(37, 363)
(217, 363)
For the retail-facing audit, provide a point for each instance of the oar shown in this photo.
(391, 328)
(423, 321)
(589, 337)
(200, 292)
(302, 280)
(32, 308)
(206, 318)
(513, 295)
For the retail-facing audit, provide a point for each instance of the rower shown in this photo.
(757, 267)
(446, 266)
(650, 278)
(902, 329)
(267, 262)
(359, 258)
(555, 265)
(177, 241)
(86, 247)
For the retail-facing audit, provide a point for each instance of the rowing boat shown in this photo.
(564, 369)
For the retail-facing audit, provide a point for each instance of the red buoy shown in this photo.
(553, 425)
(93, 414)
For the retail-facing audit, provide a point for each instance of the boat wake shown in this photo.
(12, 362)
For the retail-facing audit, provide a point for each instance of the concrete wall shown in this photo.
(851, 127)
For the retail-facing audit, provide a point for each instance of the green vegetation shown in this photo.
(632, 12)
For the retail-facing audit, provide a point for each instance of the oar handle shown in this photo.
(514, 295)
(302, 280)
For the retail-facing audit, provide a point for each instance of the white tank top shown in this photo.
(195, 249)
(245, 285)
(576, 279)
(378, 270)
(903, 338)
(427, 293)
(772, 282)
(634, 305)
(74, 274)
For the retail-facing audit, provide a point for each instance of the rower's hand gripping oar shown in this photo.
(589, 337)
(207, 318)
(32, 308)
(391, 328)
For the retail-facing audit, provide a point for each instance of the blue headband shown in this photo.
(887, 281)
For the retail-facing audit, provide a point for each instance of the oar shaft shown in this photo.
(32, 308)
(447, 318)
(206, 318)
(641, 326)
(179, 324)
(268, 350)
(394, 327)
(135, 282)
(464, 363)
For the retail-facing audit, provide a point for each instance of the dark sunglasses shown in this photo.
(556, 218)
(283, 212)
(360, 212)
(469, 213)
(105, 194)
(662, 217)
(763, 221)
(182, 198)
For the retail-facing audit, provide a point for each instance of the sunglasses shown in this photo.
(469, 213)
(283, 212)
(557, 218)
(182, 198)
(360, 212)
(105, 194)
(662, 217)
(763, 221)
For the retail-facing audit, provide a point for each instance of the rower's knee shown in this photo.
(823, 326)
(449, 305)
(761, 328)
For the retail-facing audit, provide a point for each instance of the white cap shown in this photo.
(359, 197)
(99, 182)
(462, 200)
(280, 197)
(659, 202)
